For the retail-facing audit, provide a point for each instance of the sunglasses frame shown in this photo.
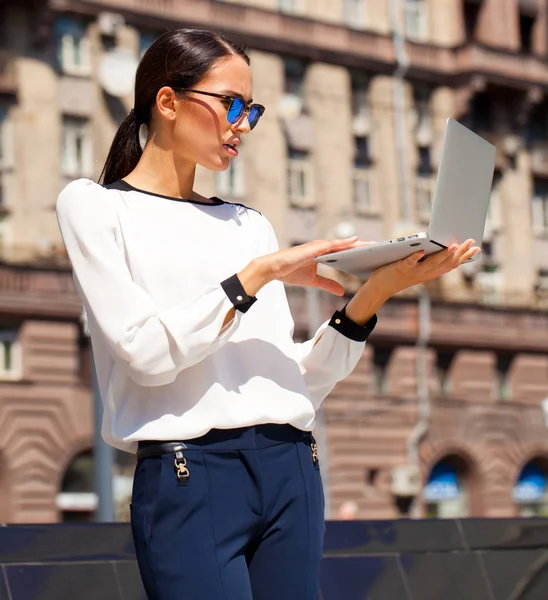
(247, 106)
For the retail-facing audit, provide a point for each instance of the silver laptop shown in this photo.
(459, 209)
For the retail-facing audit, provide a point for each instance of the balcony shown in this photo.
(273, 31)
(261, 29)
(498, 66)
(44, 292)
(527, 69)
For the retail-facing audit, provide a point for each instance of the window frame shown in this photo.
(363, 176)
(539, 208)
(424, 196)
(416, 12)
(230, 183)
(74, 166)
(299, 164)
(291, 6)
(11, 336)
(489, 283)
(355, 13)
(7, 140)
(72, 38)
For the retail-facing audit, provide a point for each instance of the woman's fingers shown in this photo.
(463, 249)
(460, 255)
(285, 261)
(468, 255)
(449, 258)
(414, 258)
(321, 247)
(359, 244)
(329, 285)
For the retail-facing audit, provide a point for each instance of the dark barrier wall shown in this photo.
(363, 560)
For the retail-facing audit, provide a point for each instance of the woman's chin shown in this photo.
(217, 163)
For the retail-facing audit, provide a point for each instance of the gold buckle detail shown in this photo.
(180, 468)
(315, 457)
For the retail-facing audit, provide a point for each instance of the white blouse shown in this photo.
(148, 269)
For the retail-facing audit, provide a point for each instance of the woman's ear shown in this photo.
(166, 103)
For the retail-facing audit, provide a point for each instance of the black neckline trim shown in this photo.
(124, 186)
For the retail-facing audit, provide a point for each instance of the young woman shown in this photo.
(192, 338)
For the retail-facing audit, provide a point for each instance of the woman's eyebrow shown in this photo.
(237, 94)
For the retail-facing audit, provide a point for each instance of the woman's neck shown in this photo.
(156, 172)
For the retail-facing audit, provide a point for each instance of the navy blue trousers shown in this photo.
(248, 524)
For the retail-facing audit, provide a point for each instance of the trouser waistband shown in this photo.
(241, 438)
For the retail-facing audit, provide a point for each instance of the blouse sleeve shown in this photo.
(153, 345)
(334, 351)
(326, 360)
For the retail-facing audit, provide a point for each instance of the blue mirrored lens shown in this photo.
(254, 116)
(235, 111)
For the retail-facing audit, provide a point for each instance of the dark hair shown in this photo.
(178, 58)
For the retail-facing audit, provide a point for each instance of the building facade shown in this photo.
(446, 405)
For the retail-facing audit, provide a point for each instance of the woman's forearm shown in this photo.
(366, 302)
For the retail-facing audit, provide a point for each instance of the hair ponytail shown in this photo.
(125, 151)
(179, 58)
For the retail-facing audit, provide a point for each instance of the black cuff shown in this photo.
(237, 295)
(350, 329)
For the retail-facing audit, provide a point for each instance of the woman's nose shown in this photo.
(243, 124)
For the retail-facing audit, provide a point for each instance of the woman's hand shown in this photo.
(295, 266)
(403, 274)
(412, 270)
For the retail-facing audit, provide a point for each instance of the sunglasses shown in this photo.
(236, 107)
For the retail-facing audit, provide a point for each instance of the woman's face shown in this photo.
(201, 131)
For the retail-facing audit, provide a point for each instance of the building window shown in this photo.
(444, 361)
(354, 13)
(294, 74)
(381, 360)
(10, 355)
(361, 110)
(76, 148)
(363, 161)
(471, 11)
(530, 493)
(540, 206)
(493, 219)
(291, 6)
(541, 288)
(503, 388)
(416, 20)
(537, 124)
(422, 115)
(74, 50)
(363, 192)
(424, 185)
(77, 500)
(424, 167)
(7, 151)
(362, 177)
(489, 283)
(146, 39)
(231, 181)
(445, 493)
(526, 28)
(362, 158)
(299, 178)
(481, 112)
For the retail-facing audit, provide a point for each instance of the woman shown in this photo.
(192, 338)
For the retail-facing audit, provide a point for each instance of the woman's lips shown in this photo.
(230, 149)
